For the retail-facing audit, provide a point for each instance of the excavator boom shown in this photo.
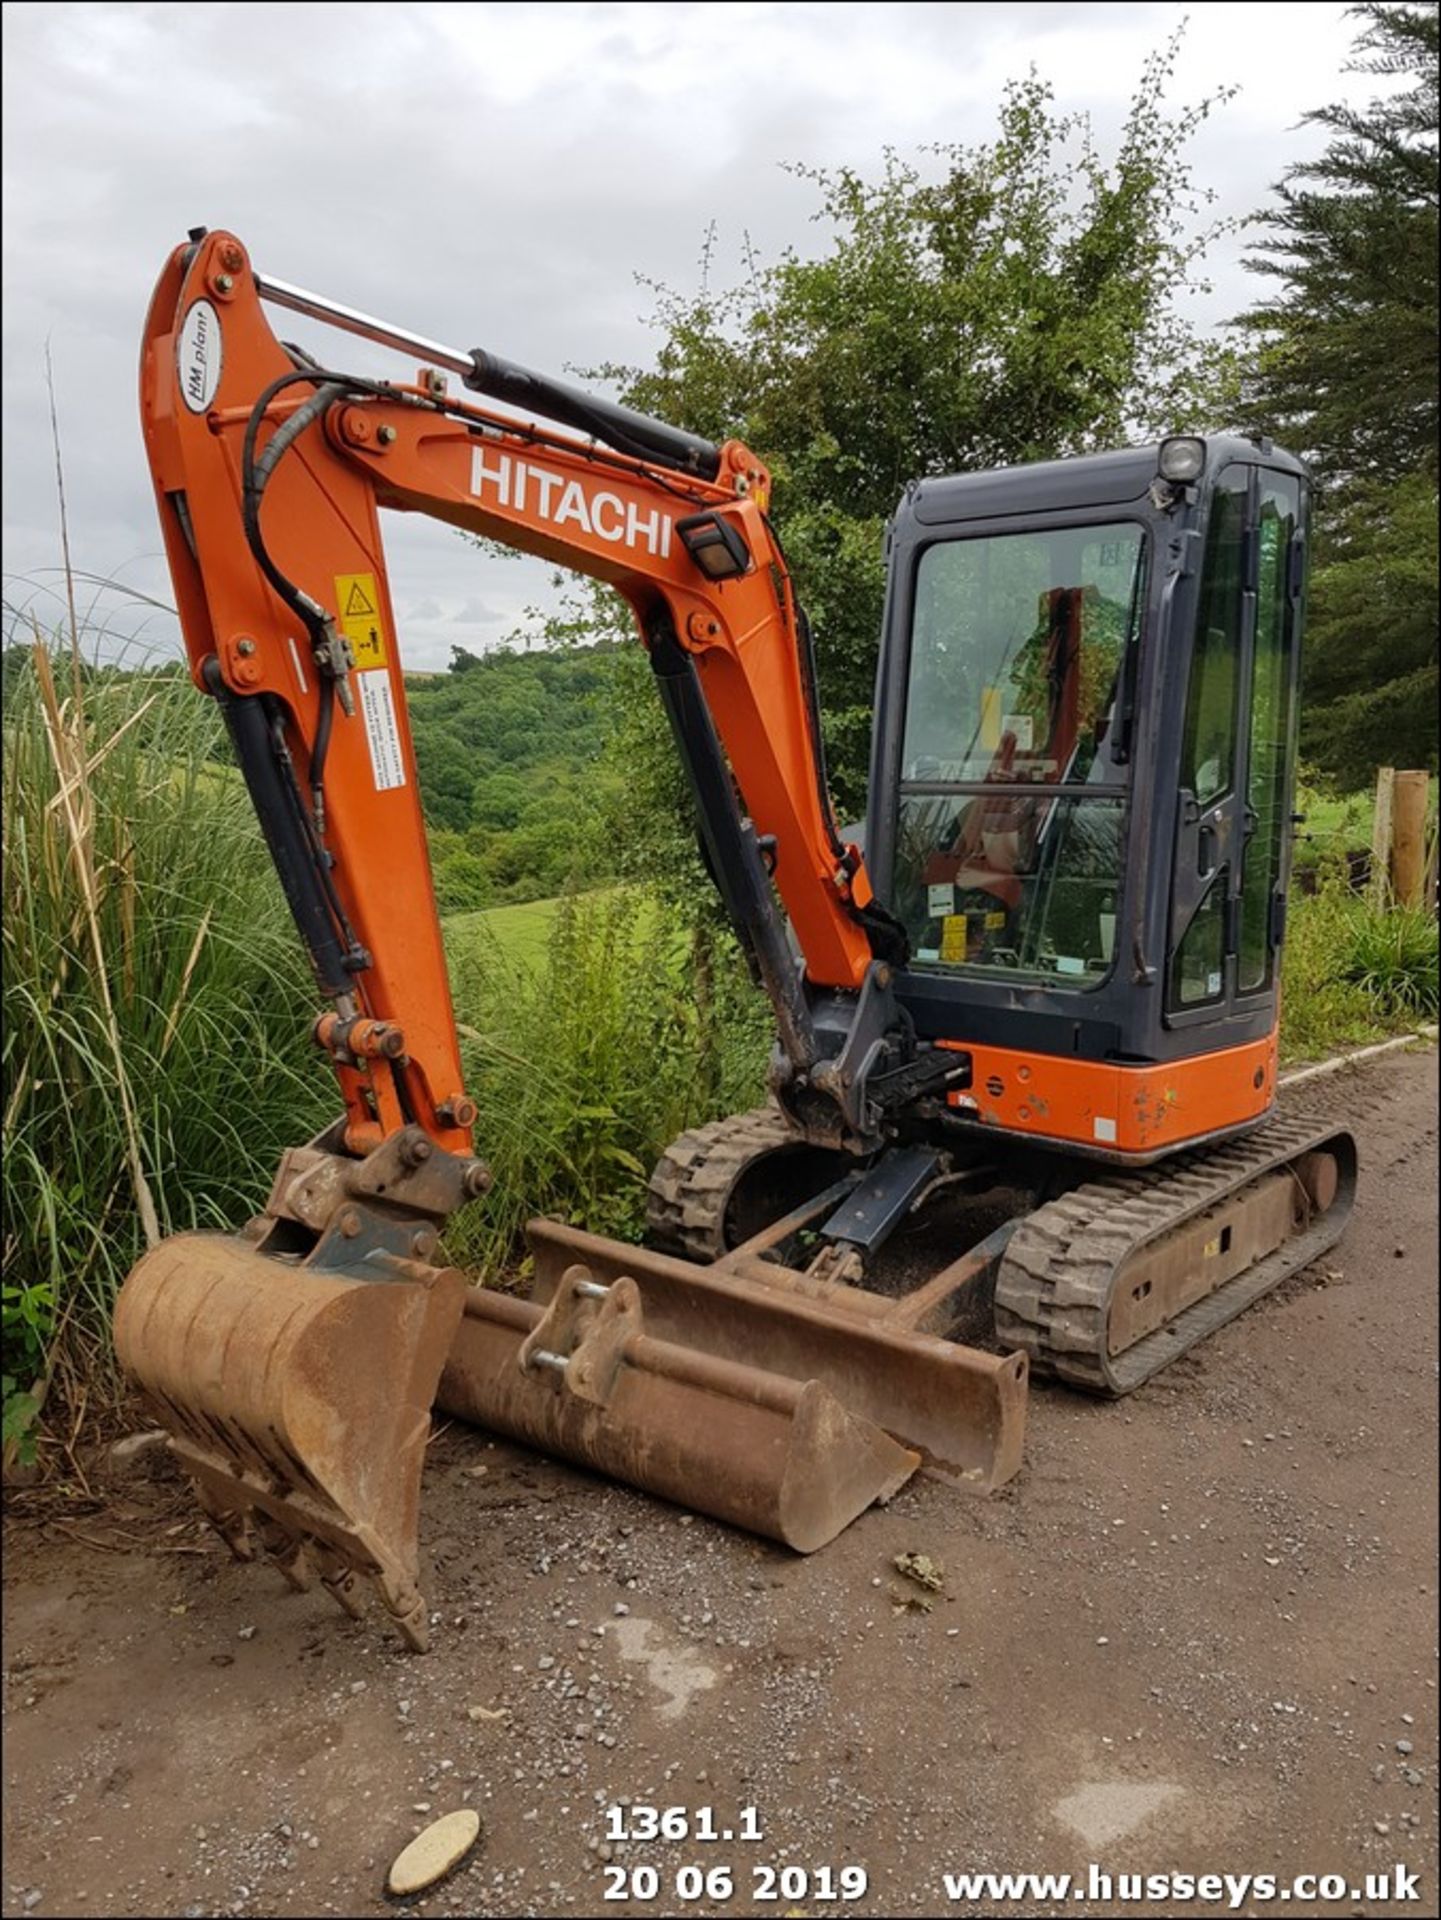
(269, 478)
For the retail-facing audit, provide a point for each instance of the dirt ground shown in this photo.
(1197, 1634)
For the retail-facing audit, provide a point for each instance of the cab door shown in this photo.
(1231, 866)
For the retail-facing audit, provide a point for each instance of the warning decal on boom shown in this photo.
(377, 709)
(360, 620)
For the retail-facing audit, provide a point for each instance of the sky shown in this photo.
(500, 175)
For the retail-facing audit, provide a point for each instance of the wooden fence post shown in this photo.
(1378, 889)
(1408, 839)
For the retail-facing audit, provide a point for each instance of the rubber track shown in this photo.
(1054, 1288)
(695, 1177)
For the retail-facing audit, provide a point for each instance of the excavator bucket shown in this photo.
(731, 1392)
(584, 1380)
(299, 1402)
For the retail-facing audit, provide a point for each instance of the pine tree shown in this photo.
(1345, 370)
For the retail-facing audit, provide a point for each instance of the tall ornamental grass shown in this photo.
(155, 1051)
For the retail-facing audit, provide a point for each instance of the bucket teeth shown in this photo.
(229, 1522)
(287, 1551)
(299, 1404)
(340, 1582)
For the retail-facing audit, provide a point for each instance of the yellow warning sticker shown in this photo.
(953, 939)
(358, 600)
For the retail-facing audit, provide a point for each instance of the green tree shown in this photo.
(462, 883)
(982, 305)
(1344, 356)
(1371, 680)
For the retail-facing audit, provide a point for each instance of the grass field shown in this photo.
(1333, 822)
(520, 933)
(1334, 825)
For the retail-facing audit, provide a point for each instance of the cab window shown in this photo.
(1011, 832)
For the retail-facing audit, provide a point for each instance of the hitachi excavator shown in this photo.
(1025, 1073)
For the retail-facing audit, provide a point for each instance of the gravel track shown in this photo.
(1197, 1633)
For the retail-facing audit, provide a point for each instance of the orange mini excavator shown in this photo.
(1028, 1100)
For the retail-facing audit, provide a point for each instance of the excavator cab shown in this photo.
(1081, 780)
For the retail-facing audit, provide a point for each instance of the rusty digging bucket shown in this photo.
(299, 1400)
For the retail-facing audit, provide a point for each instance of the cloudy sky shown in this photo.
(498, 175)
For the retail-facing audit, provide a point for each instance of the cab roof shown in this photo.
(1084, 480)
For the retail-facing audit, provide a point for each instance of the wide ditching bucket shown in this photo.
(299, 1399)
(733, 1392)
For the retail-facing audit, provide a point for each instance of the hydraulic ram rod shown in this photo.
(351, 320)
(485, 372)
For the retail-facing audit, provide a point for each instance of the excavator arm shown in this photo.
(270, 473)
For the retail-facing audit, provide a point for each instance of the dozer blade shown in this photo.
(725, 1393)
(299, 1402)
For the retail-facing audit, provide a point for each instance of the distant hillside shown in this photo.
(508, 745)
